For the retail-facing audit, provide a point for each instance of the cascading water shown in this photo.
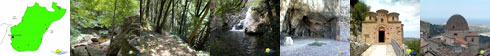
(236, 40)
(243, 23)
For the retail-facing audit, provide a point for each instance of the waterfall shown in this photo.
(243, 23)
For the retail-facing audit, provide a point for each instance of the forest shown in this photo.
(174, 27)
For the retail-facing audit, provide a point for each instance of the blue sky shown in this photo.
(439, 11)
(409, 11)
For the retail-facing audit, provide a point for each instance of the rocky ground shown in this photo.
(357, 48)
(148, 45)
(301, 48)
(131, 37)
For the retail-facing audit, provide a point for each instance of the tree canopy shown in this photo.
(98, 13)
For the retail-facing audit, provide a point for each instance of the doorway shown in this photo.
(381, 37)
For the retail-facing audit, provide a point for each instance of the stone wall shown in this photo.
(473, 46)
(424, 29)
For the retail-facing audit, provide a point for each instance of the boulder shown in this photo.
(80, 51)
(95, 51)
(289, 41)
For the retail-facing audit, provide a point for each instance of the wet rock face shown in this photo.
(226, 21)
(316, 18)
(255, 24)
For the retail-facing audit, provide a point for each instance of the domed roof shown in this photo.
(382, 11)
(457, 22)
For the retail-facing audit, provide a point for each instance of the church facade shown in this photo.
(381, 27)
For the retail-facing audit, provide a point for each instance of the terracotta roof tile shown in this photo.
(472, 35)
(461, 41)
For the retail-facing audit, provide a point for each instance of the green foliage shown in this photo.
(358, 12)
(195, 20)
(436, 29)
(254, 3)
(103, 32)
(74, 32)
(316, 44)
(357, 15)
(99, 13)
(413, 44)
(228, 6)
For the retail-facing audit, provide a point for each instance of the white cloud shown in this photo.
(409, 11)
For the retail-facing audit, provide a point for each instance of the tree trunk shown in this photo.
(203, 37)
(113, 50)
(198, 7)
(198, 25)
(173, 17)
(160, 17)
(147, 10)
(155, 12)
(182, 23)
(165, 16)
(200, 13)
(141, 11)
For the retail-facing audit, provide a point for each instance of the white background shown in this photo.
(59, 39)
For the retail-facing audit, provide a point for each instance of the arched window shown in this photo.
(370, 17)
(392, 18)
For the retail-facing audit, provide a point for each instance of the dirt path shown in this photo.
(166, 45)
(380, 50)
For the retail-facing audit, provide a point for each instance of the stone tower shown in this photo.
(473, 43)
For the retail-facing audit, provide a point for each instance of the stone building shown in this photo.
(382, 27)
(424, 36)
(457, 27)
(456, 40)
(473, 43)
(424, 29)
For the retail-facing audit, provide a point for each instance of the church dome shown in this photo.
(457, 23)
